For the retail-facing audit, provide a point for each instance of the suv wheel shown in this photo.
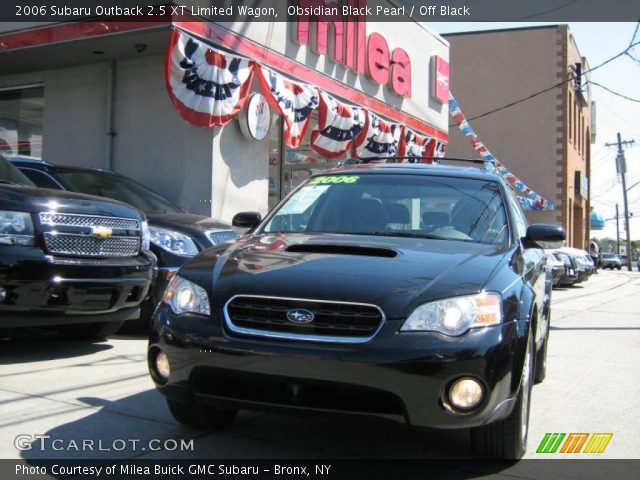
(90, 331)
(199, 416)
(541, 361)
(142, 325)
(507, 439)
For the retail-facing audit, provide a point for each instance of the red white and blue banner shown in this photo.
(207, 86)
(338, 126)
(530, 200)
(379, 139)
(295, 101)
(415, 147)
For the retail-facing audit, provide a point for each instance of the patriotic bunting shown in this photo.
(416, 147)
(295, 101)
(530, 200)
(207, 86)
(378, 139)
(338, 126)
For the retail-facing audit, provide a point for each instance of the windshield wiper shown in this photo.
(9, 182)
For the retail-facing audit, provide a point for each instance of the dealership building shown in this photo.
(545, 139)
(112, 95)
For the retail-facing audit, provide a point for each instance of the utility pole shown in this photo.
(621, 166)
(617, 231)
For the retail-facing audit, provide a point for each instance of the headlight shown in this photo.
(184, 296)
(146, 236)
(173, 242)
(16, 228)
(454, 316)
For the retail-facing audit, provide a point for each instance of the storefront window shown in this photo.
(288, 170)
(21, 121)
(275, 160)
(302, 162)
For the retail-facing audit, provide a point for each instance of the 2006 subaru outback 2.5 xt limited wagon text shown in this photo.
(415, 292)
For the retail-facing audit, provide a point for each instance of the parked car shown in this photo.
(610, 260)
(624, 260)
(581, 261)
(407, 291)
(175, 235)
(69, 260)
(562, 271)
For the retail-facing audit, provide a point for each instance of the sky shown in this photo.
(598, 42)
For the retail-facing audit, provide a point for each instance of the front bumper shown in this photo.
(47, 290)
(398, 376)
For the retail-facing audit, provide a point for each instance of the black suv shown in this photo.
(416, 292)
(175, 235)
(69, 260)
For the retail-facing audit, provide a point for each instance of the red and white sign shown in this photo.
(351, 47)
(440, 90)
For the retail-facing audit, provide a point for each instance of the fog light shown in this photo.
(162, 365)
(3, 294)
(466, 393)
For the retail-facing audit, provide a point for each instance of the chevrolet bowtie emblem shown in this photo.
(101, 232)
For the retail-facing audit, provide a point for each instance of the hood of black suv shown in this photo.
(32, 199)
(187, 223)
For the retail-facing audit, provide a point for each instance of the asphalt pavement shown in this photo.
(59, 397)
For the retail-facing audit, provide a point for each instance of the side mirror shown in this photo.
(246, 219)
(541, 235)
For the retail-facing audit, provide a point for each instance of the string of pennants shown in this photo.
(209, 87)
(529, 199)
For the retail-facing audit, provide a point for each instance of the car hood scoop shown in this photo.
(342, 249)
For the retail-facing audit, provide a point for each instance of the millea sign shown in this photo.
(351, 46)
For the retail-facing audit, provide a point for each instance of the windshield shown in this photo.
(396, 205)
(10, 174)
(117, 187)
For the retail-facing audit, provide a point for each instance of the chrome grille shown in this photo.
(333, 321)
(220, 236)
(57, 219)
(90, 246)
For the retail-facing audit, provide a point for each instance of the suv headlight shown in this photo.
(16, 228)
(173, 242)
(454, 316)
(146, 236)
(184, 296)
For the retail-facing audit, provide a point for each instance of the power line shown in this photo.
(615, 93)
(559, 84)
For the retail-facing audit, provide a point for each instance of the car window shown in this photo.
(396, 205)
(41, 179)
(120, 188)
(10, 174)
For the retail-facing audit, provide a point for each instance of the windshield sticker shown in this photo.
(302, 200)
(334, 179)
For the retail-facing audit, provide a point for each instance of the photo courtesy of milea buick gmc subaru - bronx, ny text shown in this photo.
(73, 261)
(414, 292)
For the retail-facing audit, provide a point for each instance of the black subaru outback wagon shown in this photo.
(415, 292)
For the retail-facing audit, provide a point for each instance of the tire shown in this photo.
(617, 268)
(90, 331)
(507, 439)
(201, 417)
(142, 325)
(541, 361)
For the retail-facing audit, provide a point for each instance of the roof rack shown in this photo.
(488, 164)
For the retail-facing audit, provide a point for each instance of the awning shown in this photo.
(597, 221)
